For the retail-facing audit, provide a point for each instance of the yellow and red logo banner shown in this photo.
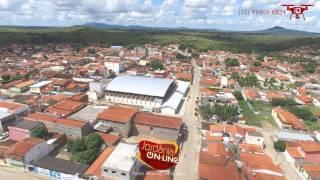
(158, 156)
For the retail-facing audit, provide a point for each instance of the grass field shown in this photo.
(264, 113)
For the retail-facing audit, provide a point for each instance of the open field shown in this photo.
(263, 116)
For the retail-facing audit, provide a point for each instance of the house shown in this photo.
(24, 152)
(21, 87)
(4, 146)
(110, 139)
(287, 120)
(115, 66)
(121, 162)
(10, 113)
(163, 127)
(293, 136)
(215, 167)
(58, 168)
(294, 155)
(38, 87)
(253, 137)
(230, 132)
(218, 149)
(250, 148)
(251, 94)
(23, 129)
(304, 100)
(94, 171)
(72, 128)
(66, 108)
(311, 150)
(260, 166)
(117, 119)
(310, 171)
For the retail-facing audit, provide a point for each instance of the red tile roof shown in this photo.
(289, 118)
(19, 149)
(254, 161)
(214, 167)
(157, 120)
(95, 168)
(120, 114)
(250, 148)
(310, 146)
(230, 129)
(66, 107)
(109, 139)
(52, 119)
(217, 149)
(305, 99)
(11, 105)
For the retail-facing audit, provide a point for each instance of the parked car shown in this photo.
(4, 135)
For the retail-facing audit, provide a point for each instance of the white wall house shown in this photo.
(115, 66)
(120, 164)
(255, 138)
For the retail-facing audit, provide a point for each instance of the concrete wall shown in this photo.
(18, 134)
(122, 128)
(158, 132)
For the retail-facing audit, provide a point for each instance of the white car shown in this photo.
(4, 135)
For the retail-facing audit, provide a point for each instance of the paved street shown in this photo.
(7, 173)
(187, 167)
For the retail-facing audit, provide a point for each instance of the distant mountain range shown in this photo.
(277, 30)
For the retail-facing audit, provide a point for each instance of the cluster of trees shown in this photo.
(85, 150)
(269, 82)
(156, 65)
(303, 113)
(235, 76)
(224, 112)
(249, 81)
(41, 132)
(181, 56)
(238, 95)
(283, 102)
(290, 104)
(231, 62)
(257, 63)
(310, 67)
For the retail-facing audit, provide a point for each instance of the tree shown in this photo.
(231, 62)
(155, 65)
(279, 146)
(310, 67)
(180, 56)
(303, 113)
(93, 141)
(78, 146)
(91, 51)
(235, 76)
(257, 63)
(238, 95)
(249, 81)
(85, 157)
(225, 112)
(282, 102)
(85, 150)
(205, 111)
(6, 78)
(40, 132)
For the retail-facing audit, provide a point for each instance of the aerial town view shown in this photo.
(160, 90)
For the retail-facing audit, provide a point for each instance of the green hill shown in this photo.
(202, 41)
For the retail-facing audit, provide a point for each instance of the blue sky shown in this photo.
(220, 14)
